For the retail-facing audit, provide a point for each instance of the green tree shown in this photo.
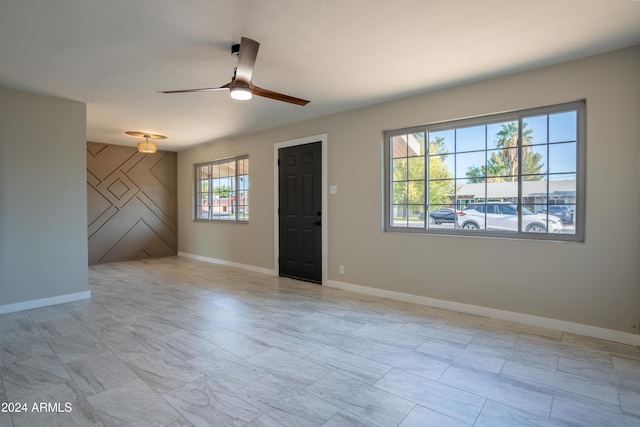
(222, 191)
(532, 164)
(508, 141)
(504, 166)
(409, 177)
(495, 171)
(441, 185)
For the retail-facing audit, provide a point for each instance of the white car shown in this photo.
(503, 216)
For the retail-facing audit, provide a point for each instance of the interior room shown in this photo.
(173, 254)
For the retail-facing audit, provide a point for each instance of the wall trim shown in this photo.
(527, 319)
(44, 302)
(511, 316)
(253, 268)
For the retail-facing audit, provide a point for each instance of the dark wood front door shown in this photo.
(300, 212)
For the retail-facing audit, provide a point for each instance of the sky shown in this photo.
(558, 156)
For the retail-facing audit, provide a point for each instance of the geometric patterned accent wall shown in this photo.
(132, 203)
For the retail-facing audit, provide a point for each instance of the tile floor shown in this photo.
(177, 342)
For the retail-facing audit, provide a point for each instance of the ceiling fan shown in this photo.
(240, 86)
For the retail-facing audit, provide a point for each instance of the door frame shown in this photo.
(322, 138)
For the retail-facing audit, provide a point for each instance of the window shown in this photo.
(222, 190)
(518, 174)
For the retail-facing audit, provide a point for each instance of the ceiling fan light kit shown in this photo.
(146, 146)
(241, 87)
(240, 90)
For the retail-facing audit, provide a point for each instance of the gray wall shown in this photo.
(592, 283)
(43, 221)
(132, 203)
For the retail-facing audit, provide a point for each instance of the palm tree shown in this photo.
(505, 166)
(496, 168)
(508, 141)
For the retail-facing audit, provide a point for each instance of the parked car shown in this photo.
(503, 216)
(441, 215)
(561, 211)
(421, 217)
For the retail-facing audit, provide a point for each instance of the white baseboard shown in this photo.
(44, 302)
(527, 319)
(228, 263)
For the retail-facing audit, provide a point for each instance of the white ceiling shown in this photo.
(115, 55)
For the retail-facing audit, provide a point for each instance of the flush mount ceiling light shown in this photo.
(146, 146)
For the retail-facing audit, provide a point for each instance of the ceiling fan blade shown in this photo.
(246, 59)
(205, 89)
(278, 96)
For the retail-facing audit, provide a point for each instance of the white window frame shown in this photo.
(579, 214)
(238, 210)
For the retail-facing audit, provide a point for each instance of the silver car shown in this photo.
(503, 216)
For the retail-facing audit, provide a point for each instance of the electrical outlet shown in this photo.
(341, 269)
(633, 325)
